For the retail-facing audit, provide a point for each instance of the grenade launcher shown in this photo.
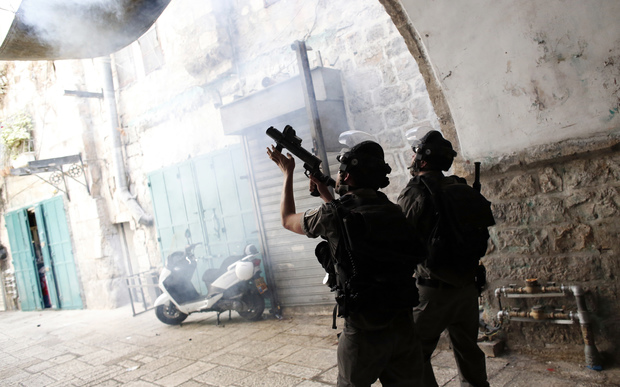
(288, 139)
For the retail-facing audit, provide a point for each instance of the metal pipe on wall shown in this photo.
(120, 174)
(311, 105)
(534, 289)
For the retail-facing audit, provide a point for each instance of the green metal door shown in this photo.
(226, 198)
(209, 195)
(58, 254)
(176, 207)
(22, 252)
(50, 278)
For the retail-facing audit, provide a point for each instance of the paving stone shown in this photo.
(192, 383)
(97, 373)
(443, 375)
(294, 370)
(77, 348)
(283, 351)
(169, 368)
(330, 376)
(99, 357)
(258, 364)
(311, 383)
(63, 358)
(184, 374)
(106, 383)
(291, 352)
(257, 348)
(69, 370)
(269, 379)
(222, 376)
(63, 383)
(39, 366)
(231, 360)
(39, 379)
(192, 351)
(443, 359)
(318, 357)
(140, 383)
(14, 379)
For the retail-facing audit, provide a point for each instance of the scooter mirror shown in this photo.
(250, 250)
(188, 234)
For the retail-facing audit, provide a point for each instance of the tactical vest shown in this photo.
(374, 261)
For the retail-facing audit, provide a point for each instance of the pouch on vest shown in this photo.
(376, 261)
(460, 234)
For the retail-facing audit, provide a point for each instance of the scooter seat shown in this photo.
(210, 275)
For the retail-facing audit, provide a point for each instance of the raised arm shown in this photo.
(290, 219)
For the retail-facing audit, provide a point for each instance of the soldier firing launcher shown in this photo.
(288, 139)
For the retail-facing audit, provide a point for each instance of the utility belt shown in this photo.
(437, 284)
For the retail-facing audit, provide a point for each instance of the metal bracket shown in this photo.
(58, 173)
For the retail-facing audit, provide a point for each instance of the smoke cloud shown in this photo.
(75, 29)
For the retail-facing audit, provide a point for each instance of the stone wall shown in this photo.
(558, 221)
(172, 114)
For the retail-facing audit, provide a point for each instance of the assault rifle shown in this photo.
(288, 139)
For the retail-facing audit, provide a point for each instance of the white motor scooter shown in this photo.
(237, 285)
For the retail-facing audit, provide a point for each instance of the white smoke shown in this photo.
(76, 28)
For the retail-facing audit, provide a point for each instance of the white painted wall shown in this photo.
(521, 74)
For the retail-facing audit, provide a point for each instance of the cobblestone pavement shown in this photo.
(112, 347)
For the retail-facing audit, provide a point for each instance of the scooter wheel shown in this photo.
(169, 314)
(255, 306)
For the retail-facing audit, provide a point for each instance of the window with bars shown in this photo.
(152, 54)
(139, 59)
(125, 66)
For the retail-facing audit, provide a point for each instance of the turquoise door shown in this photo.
(226, 199)
(22, 252)
(47, 259)
(209, 195)
(57, 252)
(58, 273)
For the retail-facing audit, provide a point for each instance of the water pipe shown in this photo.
(120, 174)
(537, 314)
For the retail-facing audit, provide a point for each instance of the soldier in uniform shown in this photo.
(379, 340)
(448, 297)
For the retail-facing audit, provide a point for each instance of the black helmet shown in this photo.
(435, 150)
(366, 162)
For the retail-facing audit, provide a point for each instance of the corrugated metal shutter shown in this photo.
(297, 274)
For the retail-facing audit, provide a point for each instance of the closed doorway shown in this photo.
(210, 196)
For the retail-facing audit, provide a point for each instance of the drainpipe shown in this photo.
(593, 358)
(533, 289)
(120, 175)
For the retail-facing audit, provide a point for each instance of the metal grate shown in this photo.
(143, 290)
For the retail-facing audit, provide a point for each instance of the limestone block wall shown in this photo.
(558, 221)
(172, 114)
(68, 125)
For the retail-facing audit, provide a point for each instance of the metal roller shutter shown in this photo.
(297, 274)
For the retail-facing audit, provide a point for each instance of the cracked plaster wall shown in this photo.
(518, 75)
